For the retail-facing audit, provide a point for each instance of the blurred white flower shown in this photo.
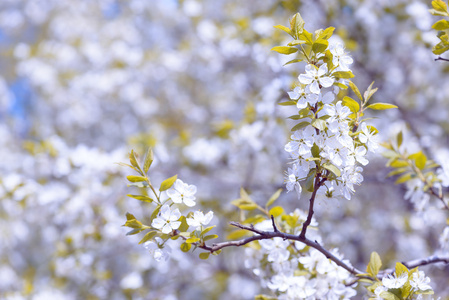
(200, 219)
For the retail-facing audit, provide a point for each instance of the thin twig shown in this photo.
(421, 262)
(441, 58)
(274, 224)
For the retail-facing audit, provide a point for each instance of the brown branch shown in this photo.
(264, 235)
(441, 58)
(420, 262)
(317, 185)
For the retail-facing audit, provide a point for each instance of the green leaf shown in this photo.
(185, 247)
(284, 50)
(297, 24)
(420, 159)
(310, 180)
(264, 297)
(351, 103)
(389, 296)
(343, 74)
(274, 197)
(155, 213)
(400, 268)
(397, 172)
(340, 85)
(293, 61)
(332, 168)
(355, 89)
(244, 204)
(286, 29)
(141, 198)
(204, 255)
(374, 264)
(440, 48)
(307, 37)
(399, 163)
(149, 157)
(129, 216)
(295, 43)
(441, 25)
(184, 226)
(193, 239)
(206, 230)
(148, 236)
(439, 5)
(300, 126)
(404, 178)
(320, 46)
(254, 220)
(210, 237)
(381, 106)
(326, 33)
(287, 103)
(133, 224)
(134, 231)
(167, 183)
(133, 161)
(399, 139)
(319, 124)
(315, 151)
(369, 92)
(142, 184)
(276, 211)
(134, 178)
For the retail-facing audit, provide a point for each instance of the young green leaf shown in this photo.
(204, 255)
(286, 29)
(381, 106)
(351, 103)
(274, 197)
(185, 247)
(141, 198)
(284, 50)
(374, 264)
(148, 160)
(355, 89)
(167, 183)
(276, 211)
(210, 237)
(150, 235)
(332, 168)
(134, 178)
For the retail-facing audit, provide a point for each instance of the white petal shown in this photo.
(158, 223)
(322, 70)
(175, 224)
(305, 78)
(314, 88)
(326, 81)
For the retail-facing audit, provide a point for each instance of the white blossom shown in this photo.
(395, 282)
(167, 221)
(315, 77)
(182, 192)
(200, 219)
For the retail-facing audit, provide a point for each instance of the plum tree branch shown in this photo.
(306, 224)
(421, 262)
(264, 235)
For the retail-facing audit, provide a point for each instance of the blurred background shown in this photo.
(83, 82)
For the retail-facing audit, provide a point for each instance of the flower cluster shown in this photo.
(294, 271)
(330, 140)
(166, 220)
(414, 283)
